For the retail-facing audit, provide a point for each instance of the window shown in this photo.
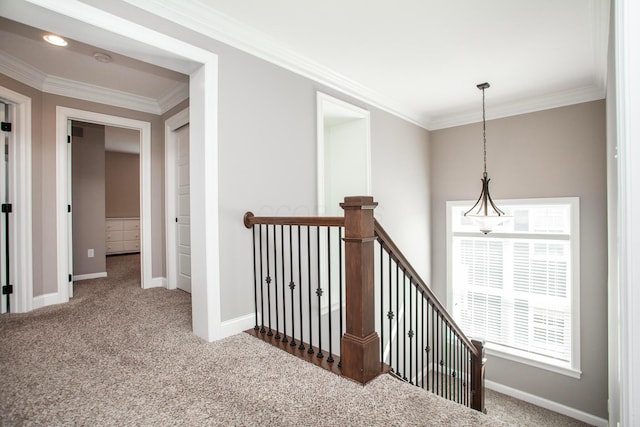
(518, 287)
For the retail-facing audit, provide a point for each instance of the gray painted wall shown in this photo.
(553, 153)
(122, 183)
(88, 199)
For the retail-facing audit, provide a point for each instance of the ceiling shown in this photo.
(419, 59)
(73, 71)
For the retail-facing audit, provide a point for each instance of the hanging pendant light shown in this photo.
(485, 213)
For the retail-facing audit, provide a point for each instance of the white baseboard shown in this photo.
(158, 282)
(78, 277)
(237, 325)
(547, 404)
(47, 299)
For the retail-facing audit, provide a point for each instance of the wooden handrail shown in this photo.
(331, 221)
(395, 254)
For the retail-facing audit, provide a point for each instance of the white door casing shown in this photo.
(4, 166)
(183, 222)
(63, 115)
(69, 210)
(19, 186)
(203, 120)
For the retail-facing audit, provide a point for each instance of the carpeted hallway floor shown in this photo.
(120, 355)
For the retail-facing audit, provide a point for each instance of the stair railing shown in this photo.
(420, 340)
(316, 295)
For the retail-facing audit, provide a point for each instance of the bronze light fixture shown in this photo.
(485, 213)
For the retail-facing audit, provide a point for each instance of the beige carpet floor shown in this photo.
(120, 355)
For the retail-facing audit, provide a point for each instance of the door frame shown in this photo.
(63, 193)
(20, 188)
(170, 126)
(355, 113)
(203, 99)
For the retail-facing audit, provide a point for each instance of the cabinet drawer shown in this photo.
(131, 235)
(114, 247)
(131, 245)
(131, 224)
(112, 236)
(113, 224)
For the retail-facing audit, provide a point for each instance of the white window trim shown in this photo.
(522, 356)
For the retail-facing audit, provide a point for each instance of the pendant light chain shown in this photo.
(487, 215)
(484, 134)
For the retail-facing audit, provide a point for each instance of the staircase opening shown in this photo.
(386, 320)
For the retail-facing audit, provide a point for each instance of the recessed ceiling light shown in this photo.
(55, 40)
(102, 57)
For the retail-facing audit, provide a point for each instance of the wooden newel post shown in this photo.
(477, 377)
(360, 344)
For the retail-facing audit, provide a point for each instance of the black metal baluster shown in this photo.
(404, 325)
(275, 281)
(410, 333)
(292, 286)
(301, 346)
(459, 377)
(465, 384)
(330, 311)
(397, 317)
(390, 314)
(422, 332)
(319, 292)
(284, 291)
(268, 280)
(440, 361)
(448, 371)
(310, 350)
(381, 308)
(434, 350)
(255, 278)
(416, 346)
(340, 286)
(262, 329)
(454, 376)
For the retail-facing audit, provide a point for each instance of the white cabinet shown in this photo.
(122, 235)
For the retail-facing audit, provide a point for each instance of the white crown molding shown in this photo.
(88, 92)
(199, 17)
(19, 70)
(523, 106)
(27, 74)
(173, 97)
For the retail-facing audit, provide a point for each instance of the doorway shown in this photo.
(64, 200)
(105, 186)
(344, 153)
(93, 25)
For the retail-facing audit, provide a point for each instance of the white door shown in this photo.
(183, 220)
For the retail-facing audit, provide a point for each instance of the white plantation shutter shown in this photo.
(514, 287)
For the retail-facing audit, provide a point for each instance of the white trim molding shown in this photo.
(20, 191)
(208, 21)
(63, 115)
(547, 404)
(79, 277)
(237, 325)
(27, 74)
(170, 176)
(47, 300)
(627, 34)
(158, 282)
